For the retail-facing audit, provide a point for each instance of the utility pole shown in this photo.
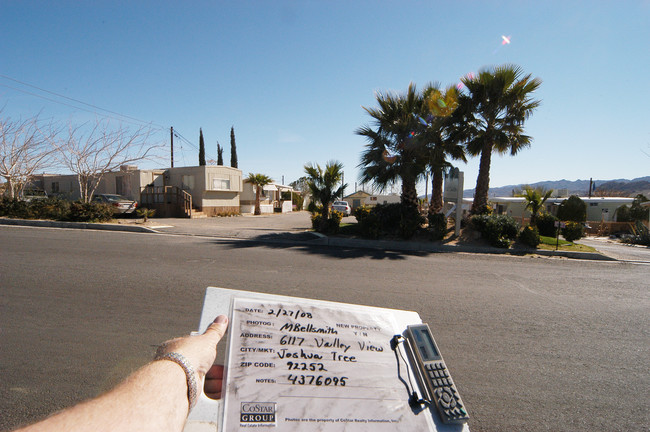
(171, 135)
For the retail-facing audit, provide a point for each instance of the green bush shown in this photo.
(51, 208)
(572, 209)
(360, 213)
(297, 200)
(89, 212)
(640, 235)
(437, 226)
(331, 226)
(313, 208)
(637, 212)
(573, 231)
(368, 221)
(145, 213)
(410, 221)
(390, 217)
(529, 236)
(498, 230)
(623, 214)
(13, 207)
(546, 225)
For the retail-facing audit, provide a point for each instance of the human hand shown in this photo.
(200, 350)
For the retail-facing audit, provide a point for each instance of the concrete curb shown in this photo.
(75, 225)
(322, 240)
(438, 248)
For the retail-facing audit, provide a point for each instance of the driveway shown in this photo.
(617, 250)
(294, 224)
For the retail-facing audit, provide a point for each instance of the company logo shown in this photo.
(257, 412)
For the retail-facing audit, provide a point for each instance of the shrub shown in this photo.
(498, 230)
(637, 212)
(331, 226)
(367, 221)
(546, 225)
(145, 213)
(572, 209)
(297, 200)
(410, 221)
(640, 235)
(335, 220)
(437, 226)
(51, 208)
(313, 208)
(623, 214)
(360, 213)
(89, 212)
(390, 217)
(573, 231)
(13, 207)
(529, 236)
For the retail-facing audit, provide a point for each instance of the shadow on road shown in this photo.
(297, 241)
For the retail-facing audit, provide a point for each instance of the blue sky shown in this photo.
(292, 76)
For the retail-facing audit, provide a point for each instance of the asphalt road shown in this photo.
(534, 344)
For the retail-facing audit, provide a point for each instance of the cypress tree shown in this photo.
(201, 148)
(219, 154)
(233, 148)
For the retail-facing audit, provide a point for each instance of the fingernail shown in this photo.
(221, 319)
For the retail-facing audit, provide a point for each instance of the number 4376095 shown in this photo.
(317, 380)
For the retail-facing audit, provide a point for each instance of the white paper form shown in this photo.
(315, 368)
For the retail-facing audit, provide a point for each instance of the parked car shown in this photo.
(34, 194)
(119, 203)
(343, 207)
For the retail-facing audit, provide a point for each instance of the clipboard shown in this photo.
(284, 387)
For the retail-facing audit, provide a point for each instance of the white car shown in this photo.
(343, 207)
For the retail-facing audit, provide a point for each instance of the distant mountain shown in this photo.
(630, 188)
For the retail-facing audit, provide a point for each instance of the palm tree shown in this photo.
(498, 103)
(259, 180)
(440, 138)
(393, 153)
(323, 184)
(535, 199)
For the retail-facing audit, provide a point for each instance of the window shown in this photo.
(220, 184)
(55, 187)
(593, 204)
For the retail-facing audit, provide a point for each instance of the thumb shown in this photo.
(217, 329)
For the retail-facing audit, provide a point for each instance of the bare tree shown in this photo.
(92, 152)
(26, 147)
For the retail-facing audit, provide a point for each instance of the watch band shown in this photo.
(190, 375)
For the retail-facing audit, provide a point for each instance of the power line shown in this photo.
(120, 117)
(74, 100)
(177, 134)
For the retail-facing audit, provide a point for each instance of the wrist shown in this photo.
(191, 377)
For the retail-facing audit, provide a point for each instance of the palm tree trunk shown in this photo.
(436, 192)
(483, 180)
(409, 196)
(258, 210)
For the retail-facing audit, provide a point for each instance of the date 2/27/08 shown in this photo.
(317, 380)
